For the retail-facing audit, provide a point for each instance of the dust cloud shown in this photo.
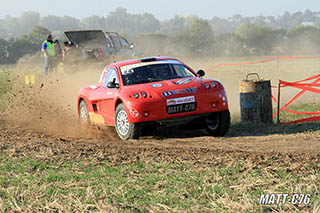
(49, 105)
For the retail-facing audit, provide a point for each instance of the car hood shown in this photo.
(174, 87)
(88, 38)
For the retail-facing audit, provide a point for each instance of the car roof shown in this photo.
(142, 60)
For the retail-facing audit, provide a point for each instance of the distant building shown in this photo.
(308, 23)
(267, 20)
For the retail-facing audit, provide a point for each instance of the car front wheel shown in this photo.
(83, 112)
(125, 130)
(218, 123)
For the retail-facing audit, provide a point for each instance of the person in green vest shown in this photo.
(49, 51)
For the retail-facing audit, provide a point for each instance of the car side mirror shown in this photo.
(131, 46)
(201, 73)
(111, 85)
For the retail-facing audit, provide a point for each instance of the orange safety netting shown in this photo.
(304, 88)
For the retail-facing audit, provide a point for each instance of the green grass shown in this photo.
(7, 67)
(28, 184)
(310, 107)
(4, 87)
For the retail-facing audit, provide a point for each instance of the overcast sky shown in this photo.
(162, 9)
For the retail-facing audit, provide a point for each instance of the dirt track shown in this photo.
(16, 141)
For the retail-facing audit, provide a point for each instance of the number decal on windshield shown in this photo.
(126, 72)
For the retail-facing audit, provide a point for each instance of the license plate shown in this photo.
(188, 107)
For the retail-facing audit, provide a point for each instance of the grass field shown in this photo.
(4, 86)
(311, 107)
(92, 184)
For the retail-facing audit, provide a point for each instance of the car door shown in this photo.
(107, 100)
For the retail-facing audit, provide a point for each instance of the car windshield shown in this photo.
(155, 72)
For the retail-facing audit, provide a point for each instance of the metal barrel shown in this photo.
(255, 100)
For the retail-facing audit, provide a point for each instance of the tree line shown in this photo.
(296, 33)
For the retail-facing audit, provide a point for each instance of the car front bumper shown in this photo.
(156, 109)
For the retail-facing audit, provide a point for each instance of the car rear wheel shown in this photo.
(218, 123)
(83, 112)
(125, 130)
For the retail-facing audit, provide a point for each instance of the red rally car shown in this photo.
(140, 94)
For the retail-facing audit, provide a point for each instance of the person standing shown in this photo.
(49, 51)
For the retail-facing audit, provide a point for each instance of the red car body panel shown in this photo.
(102, 102)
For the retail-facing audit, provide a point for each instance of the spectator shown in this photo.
(49, 51)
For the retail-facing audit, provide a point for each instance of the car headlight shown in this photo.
(143, 94)
(136, 95)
